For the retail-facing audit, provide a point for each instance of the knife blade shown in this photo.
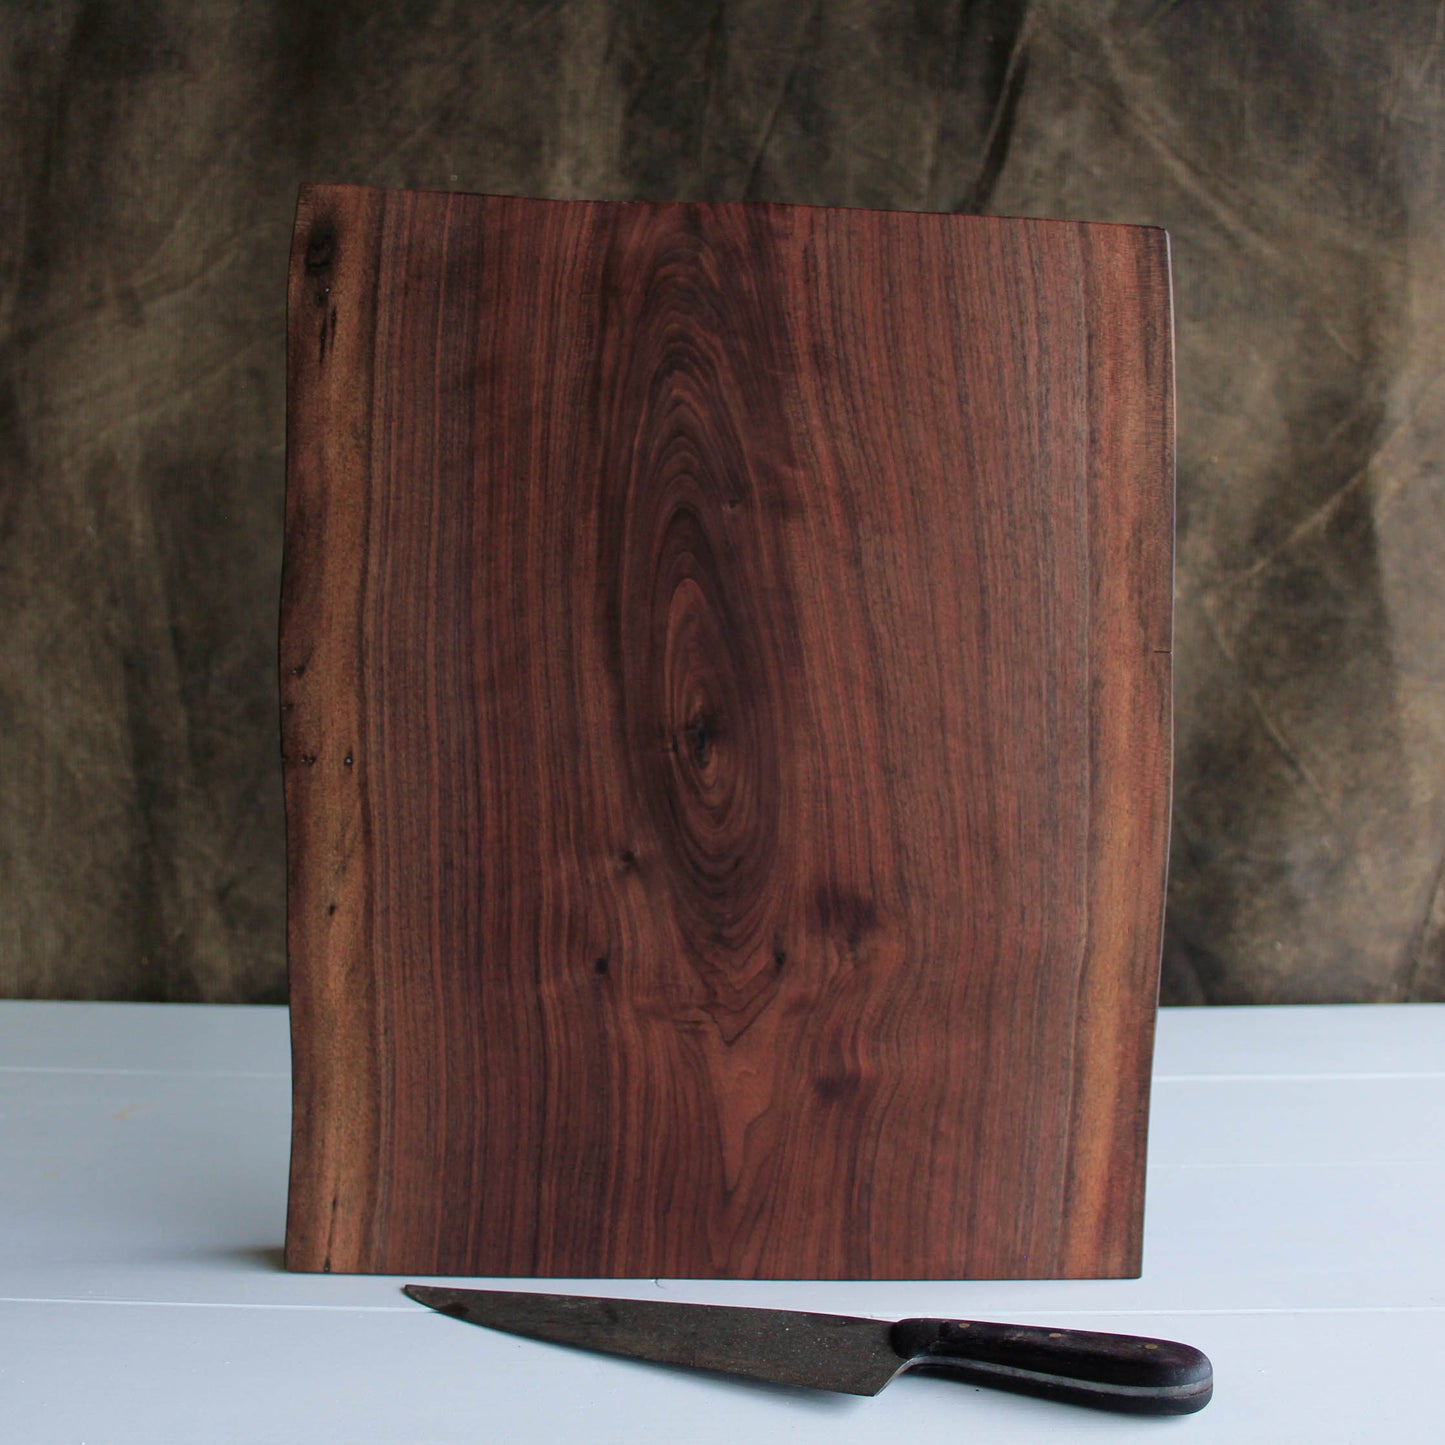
(855, 1356)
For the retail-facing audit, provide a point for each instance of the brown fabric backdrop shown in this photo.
(152, 153)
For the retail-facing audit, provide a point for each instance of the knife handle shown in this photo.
(1110, 1372)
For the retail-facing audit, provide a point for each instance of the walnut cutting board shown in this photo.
(725, 685)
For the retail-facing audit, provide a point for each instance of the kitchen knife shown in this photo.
(856, 1356)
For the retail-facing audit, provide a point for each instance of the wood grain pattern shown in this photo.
(726, 676)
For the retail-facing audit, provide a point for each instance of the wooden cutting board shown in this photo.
(725, 682)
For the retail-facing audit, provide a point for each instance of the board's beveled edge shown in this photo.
(344, 194)
(1133, 772)
(334, 1176)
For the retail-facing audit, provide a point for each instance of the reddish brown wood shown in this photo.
(725, 660)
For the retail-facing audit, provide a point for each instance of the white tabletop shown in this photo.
(1295, 1233)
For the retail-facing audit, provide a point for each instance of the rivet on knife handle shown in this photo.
(1114, 1372)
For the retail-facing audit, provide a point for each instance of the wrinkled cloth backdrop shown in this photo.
(151, 158)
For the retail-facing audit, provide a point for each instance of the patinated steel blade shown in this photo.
(783, 1347)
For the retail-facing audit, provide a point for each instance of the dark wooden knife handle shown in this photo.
(1111, 1372)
